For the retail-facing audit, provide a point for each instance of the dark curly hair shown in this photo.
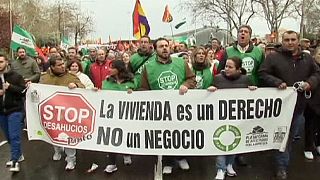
(124, 73)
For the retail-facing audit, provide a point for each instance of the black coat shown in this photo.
(281, 66)
(314, 101)
(13, 99)
(238, 81)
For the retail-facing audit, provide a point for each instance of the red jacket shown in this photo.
(99, 72)
(219, 54)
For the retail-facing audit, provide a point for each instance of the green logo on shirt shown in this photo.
(167, 80)
(248, 64)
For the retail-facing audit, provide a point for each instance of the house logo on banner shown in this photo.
(227, 137)
(167, 80)
(258, 137)
(68, 118)
(279, 134)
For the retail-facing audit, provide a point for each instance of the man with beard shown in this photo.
(142, 57)
(177, 75)
(57, 75)
(26, 66)
(250, 55)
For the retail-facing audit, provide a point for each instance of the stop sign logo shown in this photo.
(68, 118)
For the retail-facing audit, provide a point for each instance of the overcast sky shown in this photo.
(114, 18)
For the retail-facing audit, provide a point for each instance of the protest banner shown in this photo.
(228, 121)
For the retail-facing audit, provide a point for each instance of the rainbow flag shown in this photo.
(140, 23)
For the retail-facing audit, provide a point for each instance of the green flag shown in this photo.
(181, 39)
(22, 38)
(65, 44)
(180, 24)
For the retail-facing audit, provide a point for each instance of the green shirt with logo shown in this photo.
(251, 61)
(166, 76)
(204, 78)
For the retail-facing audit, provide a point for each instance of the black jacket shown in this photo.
(221, 81)
(13, 99)
(314, 101)
(281, 66)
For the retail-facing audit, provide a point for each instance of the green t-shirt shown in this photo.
(166, 76)
(109, 84)
(204, 78)
(251, 61)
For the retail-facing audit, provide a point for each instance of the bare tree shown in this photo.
(5, 34)
(274, 11)
(308, 10)
(233, 12)
(49, 22)
(83, 26)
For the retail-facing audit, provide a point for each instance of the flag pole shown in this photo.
(10, 22)
(171, 32)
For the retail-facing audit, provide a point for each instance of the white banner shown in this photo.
(228, 121)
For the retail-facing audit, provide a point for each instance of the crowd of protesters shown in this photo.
(244, 64)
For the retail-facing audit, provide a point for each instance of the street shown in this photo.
(38, 164)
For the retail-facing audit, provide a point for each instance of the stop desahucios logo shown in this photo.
(68, 118)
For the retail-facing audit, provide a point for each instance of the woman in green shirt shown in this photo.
(119, 80)
(201, 67)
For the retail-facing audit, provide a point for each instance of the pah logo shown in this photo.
(257, 137)
(168, 80)
(248, 64)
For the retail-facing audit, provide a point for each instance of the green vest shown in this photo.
(86, 63)
(166, 76)
(110, 85)
(204, 78)
(251, 61)
(137, 64)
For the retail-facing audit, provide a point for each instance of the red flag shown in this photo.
(40, 53)
(167, 17)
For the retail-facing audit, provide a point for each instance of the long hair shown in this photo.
(124, 73)
(194, 63)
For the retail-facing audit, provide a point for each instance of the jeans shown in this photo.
(11, 125)
(71, 153)
(283, 158)
(223, 161)
(300, 125)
